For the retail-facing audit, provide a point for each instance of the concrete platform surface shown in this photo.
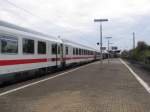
(94, 88)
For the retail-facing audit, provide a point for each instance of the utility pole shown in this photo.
(101, 38)
(133, 40)
(108, 47)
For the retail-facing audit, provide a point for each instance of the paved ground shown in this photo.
(95, 88)
(142, 72)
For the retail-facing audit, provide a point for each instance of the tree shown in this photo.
(142, 46)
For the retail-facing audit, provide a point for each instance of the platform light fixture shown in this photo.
(101, 36)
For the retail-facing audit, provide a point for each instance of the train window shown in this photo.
(66, 50)
(74, 51)
(28, 46)
(41, 47)
(54, 48)
(9, 45)
(81, 51)
(84, 52)
(77, 51)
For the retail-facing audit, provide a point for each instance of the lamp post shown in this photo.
(133, 40)
(108, 46)
(101, 38)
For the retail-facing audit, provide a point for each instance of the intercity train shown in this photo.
(25, 52)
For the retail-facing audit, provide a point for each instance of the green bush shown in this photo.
(140, 53)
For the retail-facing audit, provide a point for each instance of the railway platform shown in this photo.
(96, 87)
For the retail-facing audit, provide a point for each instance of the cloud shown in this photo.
(73, 19)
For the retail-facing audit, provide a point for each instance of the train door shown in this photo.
(54, 53)
(59, 55)
(94, 52)
(62, 55)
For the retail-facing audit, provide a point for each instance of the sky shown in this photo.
(74, 19)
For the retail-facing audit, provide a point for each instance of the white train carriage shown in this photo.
(77, 53)
(23, 50)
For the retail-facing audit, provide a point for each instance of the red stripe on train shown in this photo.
(28, 61)
(68, 58)
(21, 61)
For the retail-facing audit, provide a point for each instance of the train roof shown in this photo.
(30, 32)
(74, 44)
(39, 35)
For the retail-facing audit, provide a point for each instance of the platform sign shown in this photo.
(114, 48)
(103, 48)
